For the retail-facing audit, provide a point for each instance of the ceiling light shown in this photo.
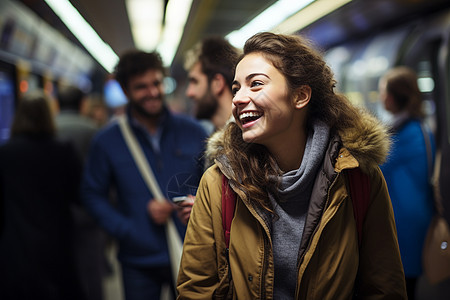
(308, 15)
(267, 20)
(101, 51)
(146, 21)
(177, 12)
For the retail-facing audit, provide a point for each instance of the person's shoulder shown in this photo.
(368, 140)
(187, 123)
(212, 176)
(410, 133)
(412, 125)
(75, 123)
(108, 132)
(181, 118)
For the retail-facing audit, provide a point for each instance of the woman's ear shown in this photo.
(302, 96)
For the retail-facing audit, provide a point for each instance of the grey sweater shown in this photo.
(291, 209)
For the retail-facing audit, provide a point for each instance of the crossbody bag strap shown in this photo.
(140, 159)
(174, 242)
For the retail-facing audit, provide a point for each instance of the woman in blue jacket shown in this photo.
(408, 168)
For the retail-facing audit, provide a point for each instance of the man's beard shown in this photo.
(206, 107)
(139, 109)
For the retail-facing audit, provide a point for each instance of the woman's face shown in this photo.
(261, 103)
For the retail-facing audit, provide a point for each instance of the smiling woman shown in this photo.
(287, 158)
(267, 112)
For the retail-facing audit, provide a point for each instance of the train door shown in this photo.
(428, 54)
(444, 138)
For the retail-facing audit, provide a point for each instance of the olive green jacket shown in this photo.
(331, 263)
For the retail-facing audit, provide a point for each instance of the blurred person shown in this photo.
(210, 65)
(39, 180)
(293, 235)
(407, 168)
(70, 122)
(89, 238)
(211, 69)
(172, 145)
(97, 110)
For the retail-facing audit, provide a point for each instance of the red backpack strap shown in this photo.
(228, 205)
(360, 194)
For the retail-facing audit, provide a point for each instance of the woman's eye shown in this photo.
(255, 83)
(234, 90)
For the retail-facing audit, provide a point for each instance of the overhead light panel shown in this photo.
(177, 12)
(101, 51)
(308, 15)
(267, 20)
(146, 21)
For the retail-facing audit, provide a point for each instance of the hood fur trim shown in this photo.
(368, 142)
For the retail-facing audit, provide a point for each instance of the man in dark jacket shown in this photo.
(172, 144)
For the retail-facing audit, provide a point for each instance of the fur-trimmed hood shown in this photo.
(368, 142)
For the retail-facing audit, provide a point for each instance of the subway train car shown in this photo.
(421, 42)
(361, 39)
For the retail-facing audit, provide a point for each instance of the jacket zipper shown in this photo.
(264, 269)
(315, 231)
(266, 247)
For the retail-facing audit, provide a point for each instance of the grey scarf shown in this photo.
(291, 208)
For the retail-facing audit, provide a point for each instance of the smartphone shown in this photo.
(180, 199)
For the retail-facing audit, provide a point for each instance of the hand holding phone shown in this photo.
(180, 199)
(184, 206)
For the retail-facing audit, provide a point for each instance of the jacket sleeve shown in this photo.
(199, 275)
(95, 193)
(381, 273)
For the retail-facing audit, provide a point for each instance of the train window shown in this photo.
(337, 58)
(372, 58)
(353, 71)
(424, 61)
(7, 96)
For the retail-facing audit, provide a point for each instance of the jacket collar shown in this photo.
(165, 117)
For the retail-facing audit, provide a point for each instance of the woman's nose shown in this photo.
(241, 98)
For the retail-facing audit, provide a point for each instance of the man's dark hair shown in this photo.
(135, 62)
(70, 97)
(216, 56)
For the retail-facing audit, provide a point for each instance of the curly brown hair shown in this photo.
(255, 169)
